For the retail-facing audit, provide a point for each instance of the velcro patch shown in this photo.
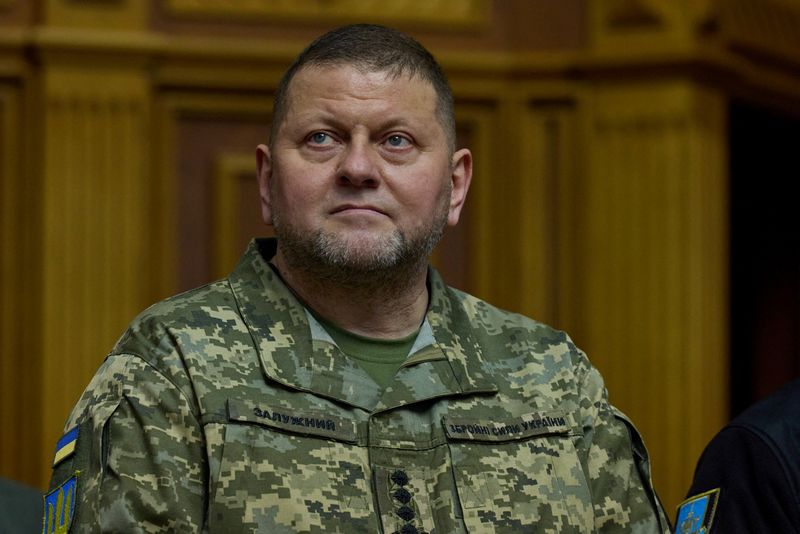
(526, 426)
(65, 446)
(296, 421)
(59, 507)
(696, 514)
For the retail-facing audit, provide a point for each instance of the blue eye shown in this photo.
(319, 138)
(397, 141)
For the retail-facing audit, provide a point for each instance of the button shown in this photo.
(405, 513)
(399, 477)
(402, 495)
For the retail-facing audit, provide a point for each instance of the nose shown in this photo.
(358, 167)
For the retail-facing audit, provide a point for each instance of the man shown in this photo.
(748, 478)
(333, 383)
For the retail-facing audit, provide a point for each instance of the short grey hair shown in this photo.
(373, 48)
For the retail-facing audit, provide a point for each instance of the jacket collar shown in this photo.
(448, 361)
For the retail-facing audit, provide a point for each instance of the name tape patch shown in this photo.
(696, 514)
(65, 446)
(503, 430)
(295, 421)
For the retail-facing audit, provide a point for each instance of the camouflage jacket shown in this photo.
(229, 409)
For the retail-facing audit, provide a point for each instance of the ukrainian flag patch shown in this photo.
(59, 507)
(696, 514)
(65, 446)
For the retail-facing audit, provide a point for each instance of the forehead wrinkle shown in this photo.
(360, 87)
(336, 110)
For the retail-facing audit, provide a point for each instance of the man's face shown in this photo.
(359, 175)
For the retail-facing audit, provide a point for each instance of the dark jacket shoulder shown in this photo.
(754, 462)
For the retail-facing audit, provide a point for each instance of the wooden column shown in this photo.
(95, 213)
(93, 103)
(655, 262)
(19, 292)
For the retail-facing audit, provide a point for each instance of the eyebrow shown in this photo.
(305, 119)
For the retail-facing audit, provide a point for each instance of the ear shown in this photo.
(264, 170)
(461, 177)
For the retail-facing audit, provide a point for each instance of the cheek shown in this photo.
(292, 187)
(298, 201)
(431, 195)
(303, 183)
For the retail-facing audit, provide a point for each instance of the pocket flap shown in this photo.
(307, 422)
(506, 429)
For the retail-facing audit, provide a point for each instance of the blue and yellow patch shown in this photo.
(696, 514)
(65, 446)
(59, 507)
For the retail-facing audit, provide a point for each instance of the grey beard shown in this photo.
(384, 268)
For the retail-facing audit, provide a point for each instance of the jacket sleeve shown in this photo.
(617, 463)
(138, 462)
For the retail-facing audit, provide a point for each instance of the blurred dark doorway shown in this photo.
(765, 252)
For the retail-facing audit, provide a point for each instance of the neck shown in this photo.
(383, 305)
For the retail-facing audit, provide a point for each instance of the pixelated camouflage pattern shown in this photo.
(224, 409)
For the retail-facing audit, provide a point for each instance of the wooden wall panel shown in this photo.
(15, 12)
(20, 373)
(236, 213)
(656, 265)
(102, 14)
(207, 168)
(445, 14)
(549, 204)
(95, 184)
(8, 267)
(461, 255)
(524, 197)
(643, 27)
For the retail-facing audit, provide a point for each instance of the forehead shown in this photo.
(347, 85)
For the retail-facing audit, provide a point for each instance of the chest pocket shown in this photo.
(283, 471)
(519, 475)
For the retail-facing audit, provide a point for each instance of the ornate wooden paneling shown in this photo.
(206, 168)
(461, 255)
(640, 27)
(442, 13)
(97, 14)
(236, 212)
(95, 213)
(20, 374)
(549, 202)
(768, 26)
(521, 199)
(655, 261)
(8, 226)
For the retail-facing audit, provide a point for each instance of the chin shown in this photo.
(371, 251)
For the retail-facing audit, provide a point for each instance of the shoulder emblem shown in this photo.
(65, 446)
(59, 507)
(696, 514)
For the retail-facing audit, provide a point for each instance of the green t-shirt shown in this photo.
(380, 358)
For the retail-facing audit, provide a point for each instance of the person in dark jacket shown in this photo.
(20, 508)
(748, 477)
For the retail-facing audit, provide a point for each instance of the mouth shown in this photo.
(358, 208)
